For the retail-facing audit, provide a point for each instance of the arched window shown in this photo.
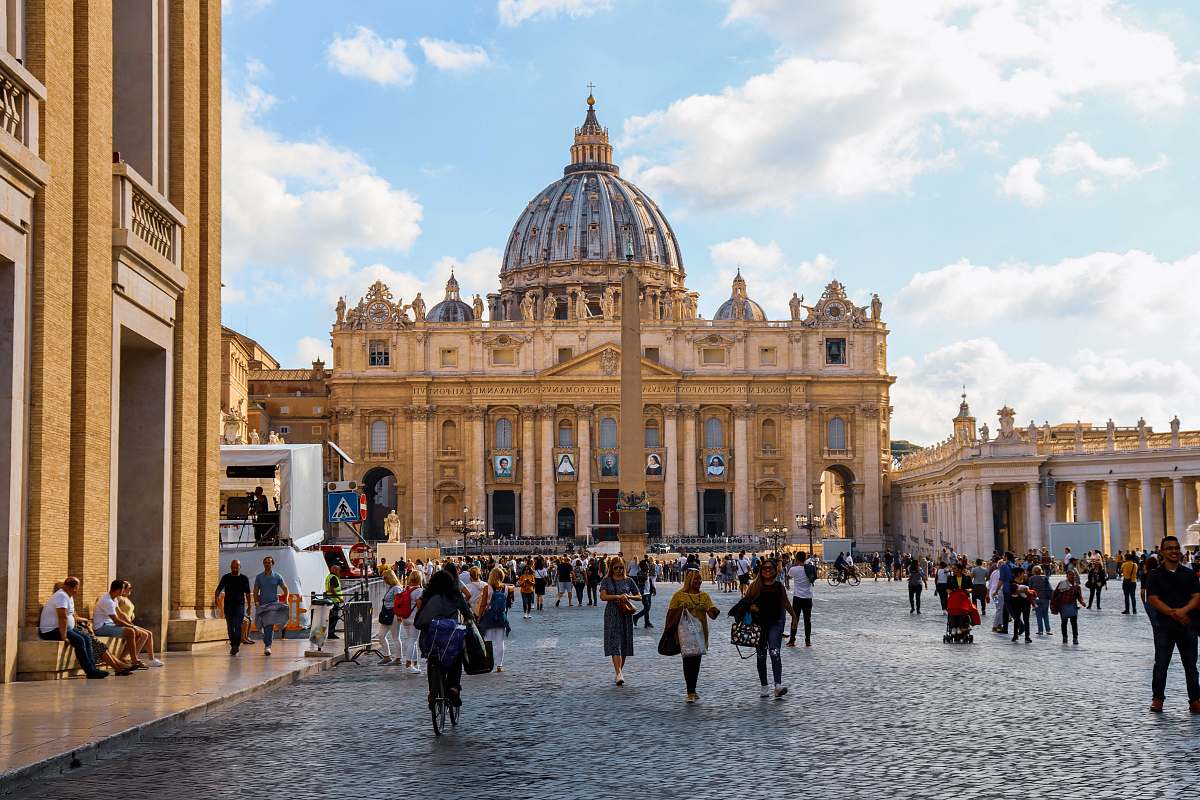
(379, 436)
(652, 434)
(566, 434)
(714, 433)
(769, 439)
(503, 434)
(608, 432)
(837, 434)
(449, 435)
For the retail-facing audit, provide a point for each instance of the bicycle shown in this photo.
(850, 577)
(440, 706)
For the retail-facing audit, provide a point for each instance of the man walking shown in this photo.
(268, 586)
(1129, 576)
(645, 579)
(1174, 592)
(233, 598)
(804, 576)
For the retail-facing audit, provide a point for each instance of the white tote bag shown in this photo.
(691, 636)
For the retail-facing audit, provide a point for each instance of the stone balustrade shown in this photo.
(142, 213)
(20, 94)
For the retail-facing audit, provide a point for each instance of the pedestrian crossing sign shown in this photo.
(342, 506)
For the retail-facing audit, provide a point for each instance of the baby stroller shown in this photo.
(961, 614)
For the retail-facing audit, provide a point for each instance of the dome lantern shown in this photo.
(591, 150)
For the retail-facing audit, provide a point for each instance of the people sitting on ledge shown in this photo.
(109, 619)
(58, 623)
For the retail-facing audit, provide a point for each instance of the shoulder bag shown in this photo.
(745, 634)
(386, 614)
(668, 643)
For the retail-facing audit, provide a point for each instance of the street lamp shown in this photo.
(776, 533)
(809, 522)
(467, 527)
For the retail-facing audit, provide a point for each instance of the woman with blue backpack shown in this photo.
(493, 615)
(439, 611)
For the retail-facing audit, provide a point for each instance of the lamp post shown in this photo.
(809, 522)
(467, 527)
(777, 533)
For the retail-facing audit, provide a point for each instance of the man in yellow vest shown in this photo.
(333, 593)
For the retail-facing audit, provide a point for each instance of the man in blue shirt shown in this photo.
(268, 586)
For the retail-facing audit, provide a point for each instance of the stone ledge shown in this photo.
(192, 634)
(40, 660)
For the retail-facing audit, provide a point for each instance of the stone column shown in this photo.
(1177, 508)
(1034, 532)
(798, 414)
(691, 499)
(873, 502)
(583, 487)
(476, 454)
(549, 526)
(987, 526)
(741, 475)
(1149, 513)
(670, 471)
(1123, 514)
(1116, 522)
(528, 510)
(420, 465)
(1081, 502)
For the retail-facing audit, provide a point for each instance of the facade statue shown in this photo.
(391, 526)
(418, 308)
(341, 310)
(273, 438)
(1175, 426)
(608, 304)
(796, 304)
(477, 307)
(549, 307)
(254, 437)
(1032, 431)
(876, 307)
(1111, 430)
(1141, 428)
(984, 433)
(1078, 432)
(528, 312)
(1007, 434)
(581, 306)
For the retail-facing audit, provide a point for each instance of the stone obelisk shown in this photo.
(632, 457)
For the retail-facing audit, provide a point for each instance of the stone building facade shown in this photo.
(978, 492)
(109, 308)
(746, 420)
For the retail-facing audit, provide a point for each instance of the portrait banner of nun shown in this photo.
(715, 466)
(566, 466)
(654, 467)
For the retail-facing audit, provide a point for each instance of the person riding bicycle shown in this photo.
(841, 566)
(441, 599)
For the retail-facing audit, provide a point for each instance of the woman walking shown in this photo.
(767, 602)
(493, 615)
(579, 579)
(528, 585)
(618, 592)
(1070, 597)
(700, 609)
(1041, 608)
(405, 607)
(1097, 579)
(917, 583)
(388, 631)
(540, 574)
(593, 580)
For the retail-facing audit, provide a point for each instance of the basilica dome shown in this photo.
(739, 305)
(452, 308)
(592, 216)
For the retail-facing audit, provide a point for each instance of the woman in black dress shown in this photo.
(616, 591)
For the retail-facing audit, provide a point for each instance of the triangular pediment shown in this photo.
(605, 362)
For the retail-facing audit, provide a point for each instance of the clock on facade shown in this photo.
(378, 312)
(834, 311)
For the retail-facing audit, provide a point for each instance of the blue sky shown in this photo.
(1016, 179)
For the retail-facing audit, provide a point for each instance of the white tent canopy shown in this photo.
(301, 483)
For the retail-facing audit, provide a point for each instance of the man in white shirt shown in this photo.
(803, 577)
(57, 623)
(107, 620)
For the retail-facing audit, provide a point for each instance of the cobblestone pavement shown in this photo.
(879, 706)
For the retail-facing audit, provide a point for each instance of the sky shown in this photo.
(1017, 180)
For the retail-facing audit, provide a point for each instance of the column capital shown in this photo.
(743, 411)
(585, 411)
(689, 410)
(798, 411)
(870, 410)
(418, 413)
(475, 412)
(671, 411)
(528, 412)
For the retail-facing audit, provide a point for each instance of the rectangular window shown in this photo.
(284, 430)
(652, 437)
(766, 356)
(924, 512)
(316, 430)
(652, 354)
(835, 351)
(285, 409)
(317, 410)
(449, 357)
(565, 354)
(378, 354)
(713, 355)
(505, 357)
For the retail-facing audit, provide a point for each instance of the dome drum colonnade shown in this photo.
(516, 417)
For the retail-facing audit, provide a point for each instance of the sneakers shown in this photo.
(385, 660)
(414, 670)
(266, 651)
(692, 697)
(155, 662)
(764, 691)
(620, 679)
(780, 691)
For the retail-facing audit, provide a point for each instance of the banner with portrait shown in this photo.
(714, 466)
(564, 470)
(654, 465)
(502, 467)
(609, 465)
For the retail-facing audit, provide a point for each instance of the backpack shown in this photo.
(403, 603)
(1058, 597)
(810, 572)
(446, 639)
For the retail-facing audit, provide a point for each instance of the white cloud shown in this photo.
(514, 12)
(1087, 385)
(476, 273)
(1073, 154)
(1021, 182)
(310, 348)
(452, 56)
(770, 278)
(1124, 292)
(301, 206)
(366, 54)
(869, 94)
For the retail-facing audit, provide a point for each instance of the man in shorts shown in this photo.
(563, 576)
(109, 621)
(743, 571)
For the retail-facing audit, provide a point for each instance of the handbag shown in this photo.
(691, 636)
(668, 643)
(387, 614)
(477, 652)
(745, 634)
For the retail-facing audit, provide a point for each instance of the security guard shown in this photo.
(333, 593)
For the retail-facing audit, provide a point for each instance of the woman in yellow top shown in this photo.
(700, 607)
(527, 583)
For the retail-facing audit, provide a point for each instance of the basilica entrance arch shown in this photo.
(837, 501)
(380, 486)
(566, 523)
(654, 523)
